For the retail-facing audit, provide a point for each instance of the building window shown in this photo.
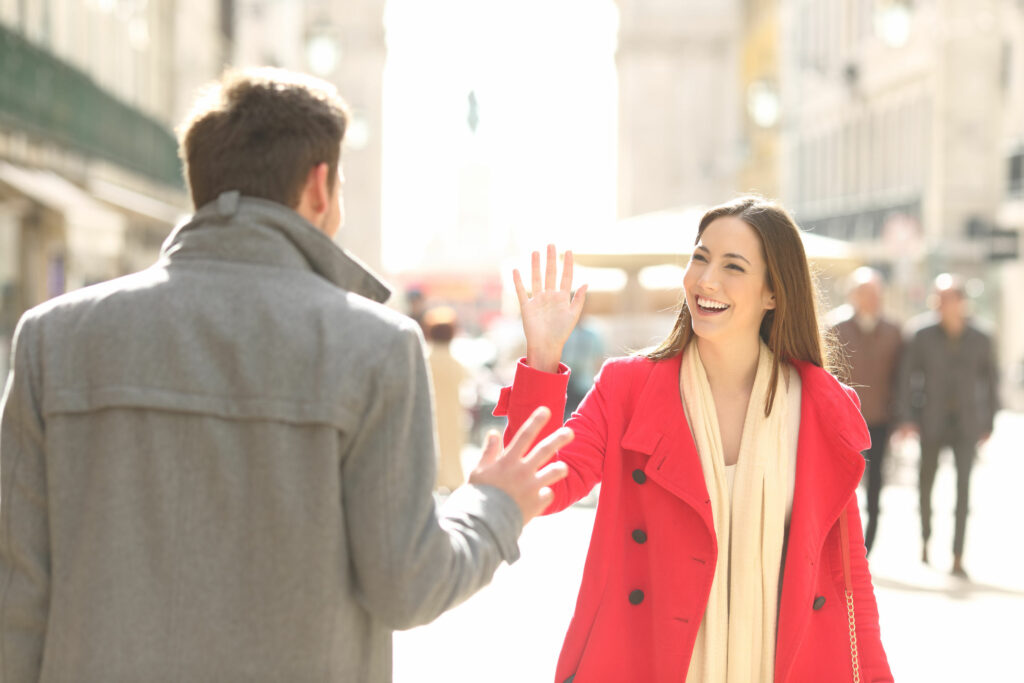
(1015, 177)
(1006, 66)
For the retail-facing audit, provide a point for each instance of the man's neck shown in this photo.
(953, 328)
(867, 322)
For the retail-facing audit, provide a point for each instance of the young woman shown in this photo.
(727, 546)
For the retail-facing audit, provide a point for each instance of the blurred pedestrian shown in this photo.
(416, 305)
(717, 555)
(447, 376)
(220, 468)
(873, 345)
(949, 397)
(584, 353)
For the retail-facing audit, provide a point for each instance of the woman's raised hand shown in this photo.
(549, 311)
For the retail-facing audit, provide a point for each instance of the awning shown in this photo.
(137, 203)
(667, 237)
(93, 230)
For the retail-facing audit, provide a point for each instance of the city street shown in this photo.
(936, 628)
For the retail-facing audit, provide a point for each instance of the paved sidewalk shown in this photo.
(936, 628)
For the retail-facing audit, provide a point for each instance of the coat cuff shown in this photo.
(532, 382)
(490, 508)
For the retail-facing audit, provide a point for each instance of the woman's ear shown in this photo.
(769, 301)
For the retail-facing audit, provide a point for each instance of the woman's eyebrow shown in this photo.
(729, 255)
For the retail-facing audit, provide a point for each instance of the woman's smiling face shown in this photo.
(726, 282)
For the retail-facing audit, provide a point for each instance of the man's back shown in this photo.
(237, 470)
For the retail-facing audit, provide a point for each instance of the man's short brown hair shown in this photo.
(260, 131)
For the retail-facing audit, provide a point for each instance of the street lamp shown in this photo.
(892, 22)
(322, 53)
(763, 103)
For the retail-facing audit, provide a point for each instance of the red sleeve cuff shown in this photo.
(531, 383)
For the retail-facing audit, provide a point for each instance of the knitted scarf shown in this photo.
(736, 639)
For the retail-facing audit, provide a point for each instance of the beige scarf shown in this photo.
(736, 639)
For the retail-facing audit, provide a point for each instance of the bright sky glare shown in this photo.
(543, 72)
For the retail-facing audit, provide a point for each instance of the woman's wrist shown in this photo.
(545, 360)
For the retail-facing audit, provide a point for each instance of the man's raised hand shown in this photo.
(518, 470)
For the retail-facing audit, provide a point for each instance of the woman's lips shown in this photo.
(710, 306)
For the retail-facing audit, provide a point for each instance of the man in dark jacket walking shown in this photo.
(873, 345)
(221, 468)
(949, 396)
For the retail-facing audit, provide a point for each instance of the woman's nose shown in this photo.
(709, 278)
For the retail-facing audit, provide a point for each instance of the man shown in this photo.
(873, 345)
(949, 382)
(220, 468)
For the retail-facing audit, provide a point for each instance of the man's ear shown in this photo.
(314, 200)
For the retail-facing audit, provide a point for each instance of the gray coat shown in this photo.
(949, 383)
(220, 469)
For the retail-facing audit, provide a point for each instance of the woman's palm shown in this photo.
(550, 311)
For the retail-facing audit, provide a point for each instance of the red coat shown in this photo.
(653, 551)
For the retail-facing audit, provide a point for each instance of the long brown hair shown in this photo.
(791, 331)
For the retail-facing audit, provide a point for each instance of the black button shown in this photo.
(639, 476)
(636, 596)
(819, 602)
(640, 536)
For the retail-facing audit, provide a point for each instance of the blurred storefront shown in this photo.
(90, 181)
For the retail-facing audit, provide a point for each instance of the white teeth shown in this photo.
(709, 303)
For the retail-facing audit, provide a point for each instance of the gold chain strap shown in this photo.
(844, 536)
(853, 637)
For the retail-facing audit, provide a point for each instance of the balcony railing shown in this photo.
(47, 98)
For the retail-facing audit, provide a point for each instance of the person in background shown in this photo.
(949, 397)
(221, 468)
(873, 345)
(584, 353)
(416, 305)
(718, 555)
(447, 376)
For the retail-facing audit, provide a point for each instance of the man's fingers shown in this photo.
(567, 273)
(552, 268)
(535, 267)
(492, 448)
(556, 471)
(521, 292)
(547, 448)
(528, 432)
(545, 496)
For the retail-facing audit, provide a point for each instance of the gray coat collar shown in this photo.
(253, 230)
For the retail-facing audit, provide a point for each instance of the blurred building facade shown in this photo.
(679, 112)
(343, 43)
(892, 125)
(760, 100)
(90, 182)
(1010, 216)
(899, 121)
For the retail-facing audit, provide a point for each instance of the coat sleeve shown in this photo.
(873, 662)
(910, 387)
(24, 535)
(585, 454)
(412, 561)
(990, 369)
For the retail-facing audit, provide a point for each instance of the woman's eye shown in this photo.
(736, 267)
(698, 257)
